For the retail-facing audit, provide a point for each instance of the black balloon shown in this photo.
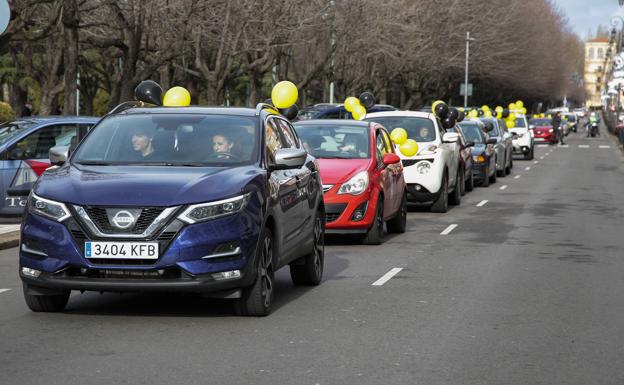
(480, 112)
(290, 113)
(505, 113)
(367, 99)
(448, 122)
(453, 113)
(441, 110)
(461, 116)
(148, 91)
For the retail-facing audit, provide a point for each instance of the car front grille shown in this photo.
(99, 216)
(333, 211)
(409, 162)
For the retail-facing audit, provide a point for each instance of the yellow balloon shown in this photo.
(358, 112)
(409, 148)
(284, 94)
(461, 109)
(485, 108)
(510, 123)
(519, 104)
(433, 106)
(499, 114)
(177, 97)
(512, 106)
(398, 135)
(351, 102)
(512, 116)
(473, 114)
(487, 114)
(499, 109)
(523, 110)
(541, 115)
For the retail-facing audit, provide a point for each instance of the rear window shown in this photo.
(472, 132)
(520, 123)
(335, 141)
(540, 122)
(419, 129)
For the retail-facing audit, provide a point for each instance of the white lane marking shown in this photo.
(503, 187)
(386, 277)
(564, 145)
(541, 157)
(517, 177)
(449, 229)
(583, 145)
(603, 146)
(527, 168)
(536, 162)
(546, 154)
(542, 145)
(4, 290)
(482, 203)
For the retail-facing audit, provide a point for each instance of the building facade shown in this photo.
(597, 67)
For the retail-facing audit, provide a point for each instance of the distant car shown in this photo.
(363, 184)
(522, 141)
(24, 153)
(483, 154)
(465, 159)
(572, 121)
(580, 112)
(433, 174)
(542, 129)
(496, 128)
(335, 111)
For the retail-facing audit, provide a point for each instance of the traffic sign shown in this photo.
(462, 89)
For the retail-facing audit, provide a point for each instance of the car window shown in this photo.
(419, 129)
(335, 141)
(10, 130)
(290, 138)
(520, 123)
(387, 140)
(273, 140)
(458, 131)
(502, 126)
(472, 133)
(38, 144)
(331, 115)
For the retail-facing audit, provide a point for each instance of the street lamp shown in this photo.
(468, 39)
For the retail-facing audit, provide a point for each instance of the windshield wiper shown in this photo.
(93, 163)
(336, 157)
(184, 164)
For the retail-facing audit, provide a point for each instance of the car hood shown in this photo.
(143, 185)
(334, 171)
(477, 149)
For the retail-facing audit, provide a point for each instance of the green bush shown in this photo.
(6, 112)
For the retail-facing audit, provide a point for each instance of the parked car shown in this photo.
(24, 153)
(465, 159)
(362, 177)
(483, 154)
(572, 122)
(433, 174)
(580, 112)
(523, 142)
(542, 129)
(496, 128)
(225, 198)
(335, 111)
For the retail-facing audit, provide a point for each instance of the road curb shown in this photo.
(9, 240)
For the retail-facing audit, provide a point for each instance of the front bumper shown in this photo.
(342, 211)
(479, 171)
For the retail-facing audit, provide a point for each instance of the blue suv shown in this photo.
(176, 199)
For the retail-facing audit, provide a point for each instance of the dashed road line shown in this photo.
(482, 203)
(546, 154)
(527, 168)
(503, 187)
(564, 146)
(386, 277)
(604, 146)
(542, 145)
(449, 229)
(517, 177)
(583, 146)
(536, 162)
(541, 157)
(4, 290)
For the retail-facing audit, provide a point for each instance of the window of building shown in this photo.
(600, 53)
(590, 53)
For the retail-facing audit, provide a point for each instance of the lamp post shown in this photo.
(468, 39)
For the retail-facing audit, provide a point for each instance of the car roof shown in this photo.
(330, 122)
(192, 110)
(56, 118)
(415, 114)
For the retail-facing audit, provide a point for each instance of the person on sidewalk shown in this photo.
(555, 122)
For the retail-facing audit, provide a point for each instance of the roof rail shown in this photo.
(262, 106)
(125, 106)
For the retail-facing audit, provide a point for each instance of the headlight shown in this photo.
(211, 210)
(478, 158)
(551, 130)
(423, 167)
(356, 185)
(47, 208)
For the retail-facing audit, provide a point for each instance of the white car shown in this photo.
(523, 140)
(433, 174)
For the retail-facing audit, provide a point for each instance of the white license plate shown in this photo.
(121, 250)
(539, 140)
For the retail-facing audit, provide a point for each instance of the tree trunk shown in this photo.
(70, 34)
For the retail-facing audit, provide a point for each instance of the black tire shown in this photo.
(508, 168)
(375, 233)
(310, 272)
(530, 155)
(486, 181)
(256, 300)
(455, 196)
(46, 303)
(398, 224)
(470, 183)
(493, 177)
(462, 183)
(441, 204)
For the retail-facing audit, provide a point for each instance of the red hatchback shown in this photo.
(542, 129)
(362, 177)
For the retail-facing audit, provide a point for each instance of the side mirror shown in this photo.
(450, 137)
(491, 141)
(390, 158)
(58, 155)
(17, 154)
(470, 144)
(286, 158)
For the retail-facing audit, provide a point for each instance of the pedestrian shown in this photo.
(555, 122)
(27, 110)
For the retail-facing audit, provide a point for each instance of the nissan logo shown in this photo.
(123, 219)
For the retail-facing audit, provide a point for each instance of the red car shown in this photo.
(542, 129)
(362, 177)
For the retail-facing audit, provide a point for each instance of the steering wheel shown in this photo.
(223, 155)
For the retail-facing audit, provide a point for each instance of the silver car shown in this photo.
(496, 128)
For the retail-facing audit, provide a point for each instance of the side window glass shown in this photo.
(37, 145)
(290, 139)
(272, 137)
(387, 141)
(441, 130)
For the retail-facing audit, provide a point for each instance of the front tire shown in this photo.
(470, 182)
(45, 303)
(530, 155)
(375, 233)
(494, 174)
(398, 224)
(441, 204)
(257, 299)
(310, 272)
(455, 196)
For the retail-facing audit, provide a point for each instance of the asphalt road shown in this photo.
(528, 288)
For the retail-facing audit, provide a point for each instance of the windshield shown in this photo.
(472, 132)
(171, 139)
(540, 122)
(419, 129)
(11, 129)
(570, 117)
(520, 123)
(335, 141)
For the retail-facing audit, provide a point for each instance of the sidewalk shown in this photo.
(9, 236)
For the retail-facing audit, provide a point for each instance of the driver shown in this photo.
(424, 134)
(221, 144)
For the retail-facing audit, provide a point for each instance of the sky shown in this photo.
(586, 15)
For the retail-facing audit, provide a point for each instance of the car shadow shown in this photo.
(191, 305)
